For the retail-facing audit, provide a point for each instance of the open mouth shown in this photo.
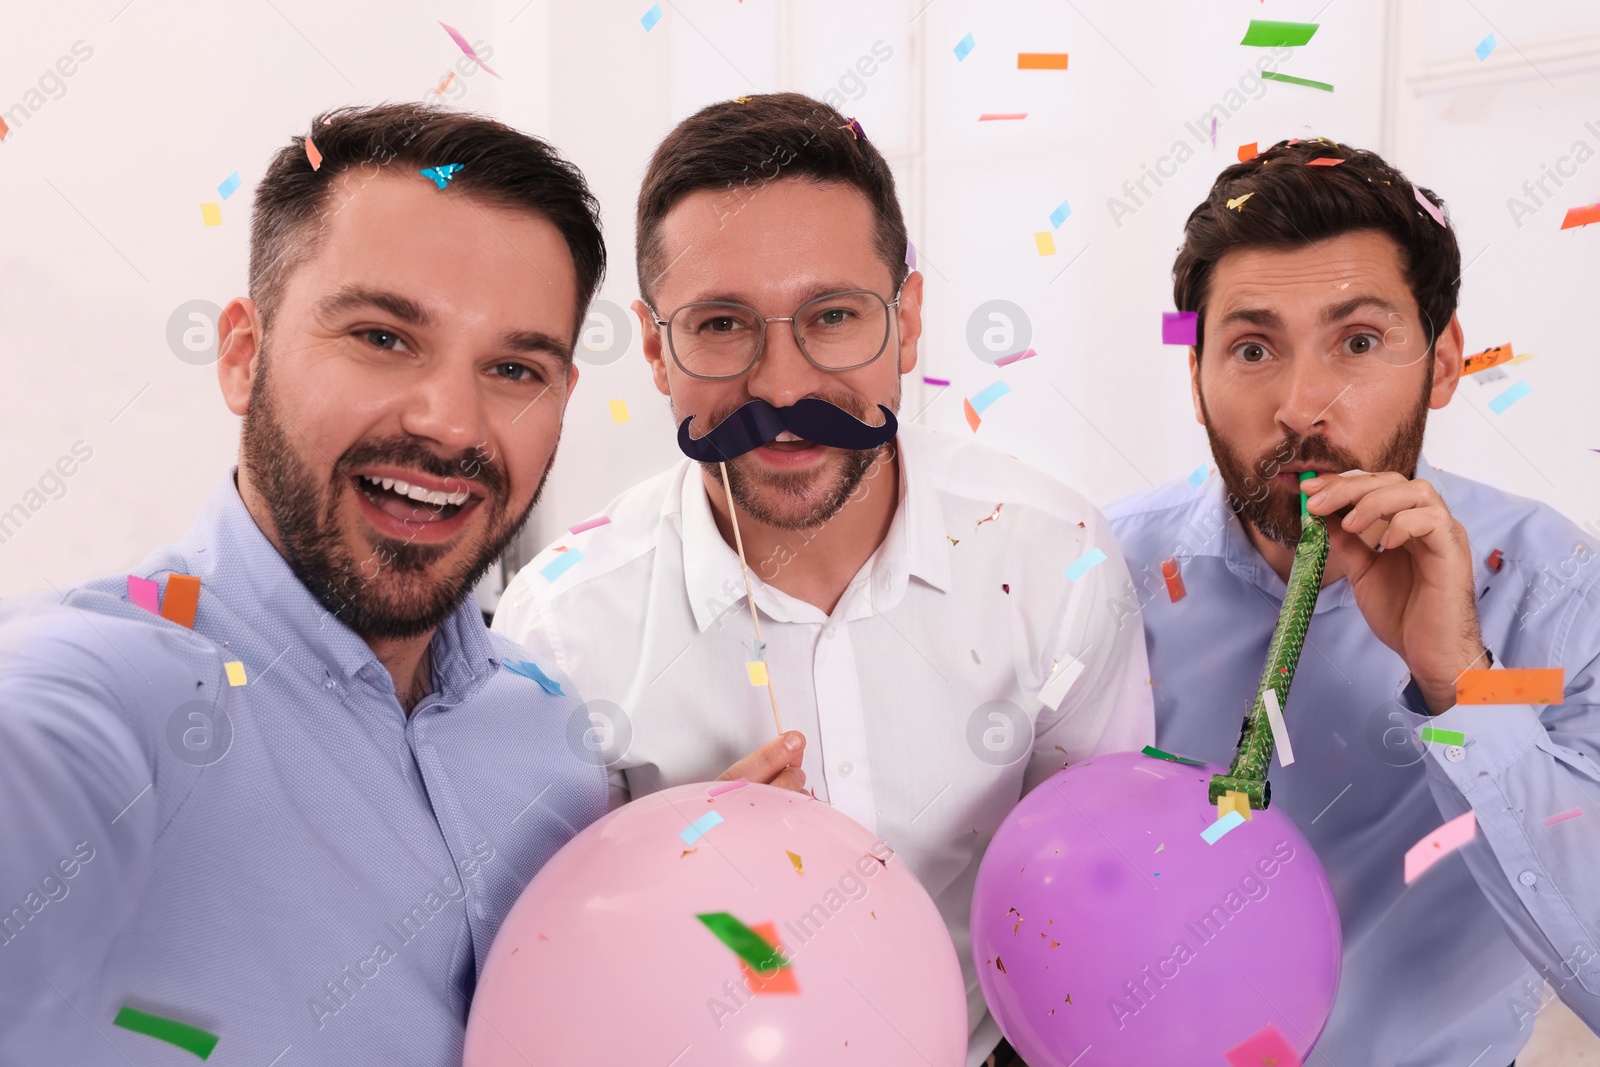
(401, 500)
(788, 442)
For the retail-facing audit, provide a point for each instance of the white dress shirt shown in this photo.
(961, 667)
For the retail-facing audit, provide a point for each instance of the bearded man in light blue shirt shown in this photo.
(291, 813)
(1325, 285)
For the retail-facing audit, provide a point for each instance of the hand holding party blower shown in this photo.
(1117, 920)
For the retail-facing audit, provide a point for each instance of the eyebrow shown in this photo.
(1268, 318)
(806, 296)
(411, 313)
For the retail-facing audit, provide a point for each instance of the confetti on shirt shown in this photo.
(1562, 816)
(603, 520)
(471, 53)
(1439, 844)
(529, 669)
(235, 671)
(189, 1038)
(698, 829)
(1178, 327)
(182, 599)
(1263, 33)
(563, 562)
(1084, 564)
(1532, 685)
(1496, 560)
(1173, 576)
(964, 47)
(229, 186)
(145, 594)
(1215, 832)
(1443, 737)
(1041, 61)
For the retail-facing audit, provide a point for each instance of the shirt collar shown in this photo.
(914, 546)
(237, 564)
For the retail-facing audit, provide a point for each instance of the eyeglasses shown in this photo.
(716, 341)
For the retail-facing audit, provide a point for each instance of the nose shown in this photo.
(1312, 388)
(782, 374)
(445, 406)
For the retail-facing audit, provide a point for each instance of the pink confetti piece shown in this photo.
(725, 787)
(1429, 206)
(313, 155)
(145, 593)
(471, 53)
(1266, 1046)
(1002, 116)
(1005, 360)
(1439, 844)
(1562, 816)
(603, 520)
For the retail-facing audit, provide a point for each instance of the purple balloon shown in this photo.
(1099, 888)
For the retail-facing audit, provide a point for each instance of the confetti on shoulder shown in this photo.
(602, 520)
(189, 1038)
(566, 559)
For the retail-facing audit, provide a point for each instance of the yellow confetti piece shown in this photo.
(1520, 358)
(757, 671)
(235, 671)
(619, 411)
(1237, 203)
(1046, 243)
(212, 214)
(1233, 800)
(794, 858)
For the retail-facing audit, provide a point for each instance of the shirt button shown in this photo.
(846, 768)
(1527, 878)
(1455, 753)
(328, 684)
(828, 633)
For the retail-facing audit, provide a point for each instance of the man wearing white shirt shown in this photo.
(933, 614)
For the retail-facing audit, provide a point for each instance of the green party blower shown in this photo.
(1247, 774)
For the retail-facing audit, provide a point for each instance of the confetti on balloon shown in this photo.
(748, 945)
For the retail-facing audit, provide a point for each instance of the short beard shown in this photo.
(1275, 511)
(797, 502)
(389, 595)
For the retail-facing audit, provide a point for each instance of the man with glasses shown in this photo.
(930, 612)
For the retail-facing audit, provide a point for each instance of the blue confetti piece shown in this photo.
(650, 18)
(1059, 215)
(563, 563)
(1084, 564)
(1485, 46)
(440, 176)
(964, 47)
(982, 401)
(1215, 831)
(1499, 404)
(697, 829)
(229, 186)
(1198, 478)
(531, 670)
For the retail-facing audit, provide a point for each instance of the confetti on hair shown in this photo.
(1430, 206)
(441, 175)
(1237, 203)
(313, 154)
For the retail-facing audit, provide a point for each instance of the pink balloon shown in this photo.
(1099, 887)
(602, 959)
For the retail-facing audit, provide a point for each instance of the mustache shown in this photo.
(1315, 449)
(810, 419)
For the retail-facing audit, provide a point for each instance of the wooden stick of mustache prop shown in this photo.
(744, 569)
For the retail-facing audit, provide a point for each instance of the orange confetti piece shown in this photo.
(1247, 152)
(448, 78)
(182, 599)
(1041, 61)
(313, 155)
(1489, 357)
(1002, 116)
(794, 858)
(1529, 685)
(1174, 579)
(781, 980)
(1324, 161)
(972, 416)
(1581, 216)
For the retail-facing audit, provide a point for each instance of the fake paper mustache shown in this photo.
(758, 422)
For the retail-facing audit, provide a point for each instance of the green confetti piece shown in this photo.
(1151, 750)
(748, 945)
(190, 1038)
(1444, 737)
(1274, 76)
(1266, 34)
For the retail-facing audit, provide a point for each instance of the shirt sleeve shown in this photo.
(1529, 776)
(80, 820)
(1094, 687)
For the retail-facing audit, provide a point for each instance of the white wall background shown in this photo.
(102, 235)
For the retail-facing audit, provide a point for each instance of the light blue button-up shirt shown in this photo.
(1440, 973)
(293, 864)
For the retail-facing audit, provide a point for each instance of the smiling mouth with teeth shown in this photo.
(788, 442)
(402, 499)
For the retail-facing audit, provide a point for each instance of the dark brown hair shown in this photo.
(499, 165)
(741, 145)
(1295, 204)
